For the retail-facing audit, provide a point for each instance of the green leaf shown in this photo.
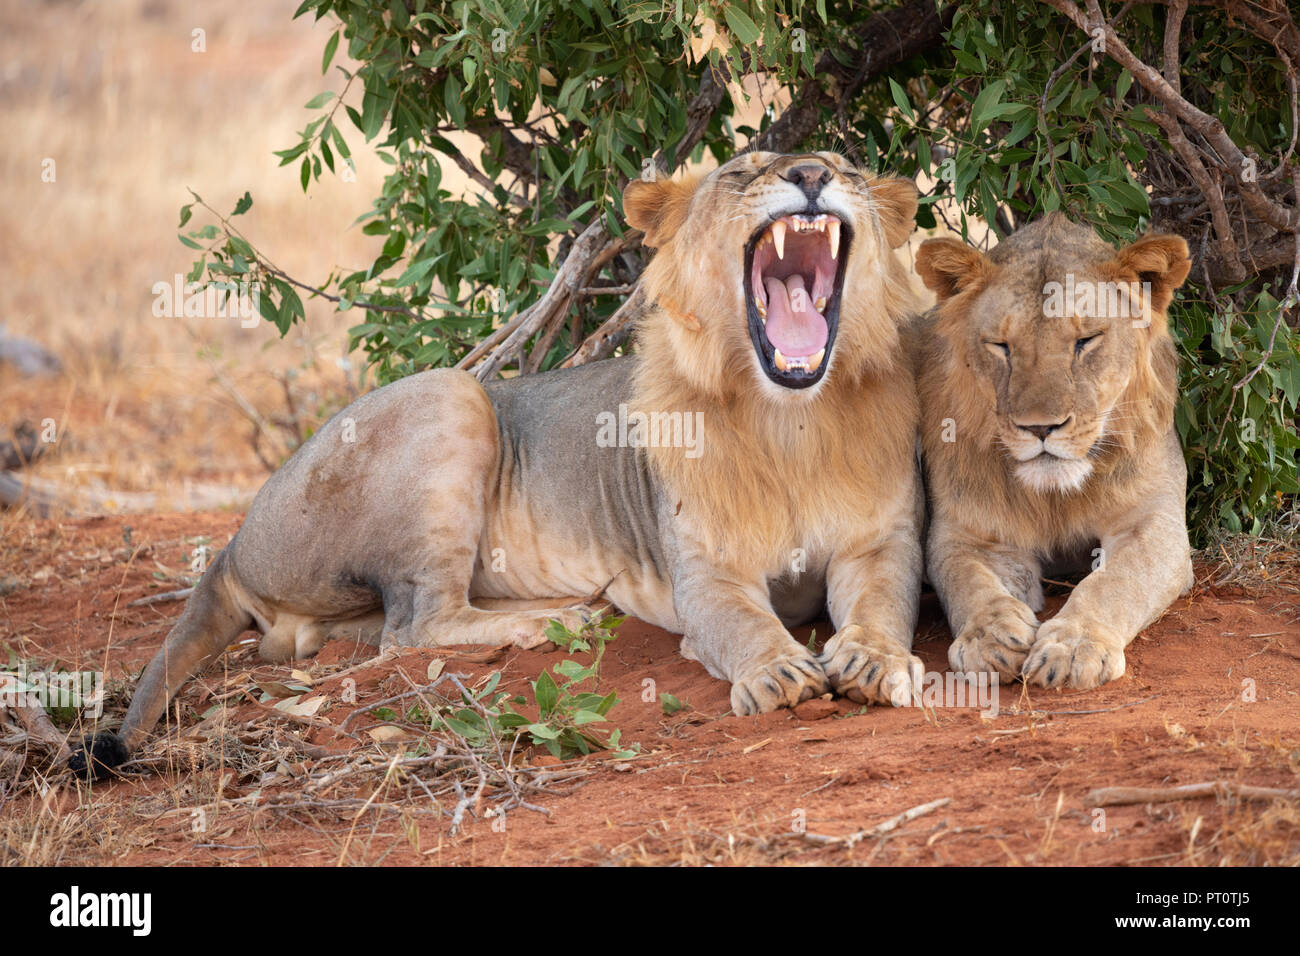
(415, 272)
(244, 204)
(547, 694)
(375, 104)
(1123, 84)
(452, 100)
(745, 30)
(670, 704)
(900, 100)
(331, 45)
(287, 156)
(544, 731)
(983, 110)
(241, 247)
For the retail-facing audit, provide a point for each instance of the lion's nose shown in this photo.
(810, 177)
(1042, 431)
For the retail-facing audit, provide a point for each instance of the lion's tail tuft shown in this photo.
(100, 755)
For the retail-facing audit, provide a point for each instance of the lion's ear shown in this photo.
(896, 201)
(949, 266)
(657, 208)
(1163, 261)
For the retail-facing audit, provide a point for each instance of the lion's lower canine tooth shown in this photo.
(762, 310)
(780, 360)
(778, 238)
(815, 361)
(820, 304)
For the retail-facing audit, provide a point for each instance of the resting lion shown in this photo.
(773, 475)
(1047, 379)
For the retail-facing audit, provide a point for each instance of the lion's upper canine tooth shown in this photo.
(779, 359)
(815, 361)
(833, 234)
(778, 238)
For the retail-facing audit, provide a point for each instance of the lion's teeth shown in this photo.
(780, 359)
(820, 304)
(833, 234)
(778, 238)
(762, 310)
(816, 360)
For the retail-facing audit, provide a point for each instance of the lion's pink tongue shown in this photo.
(793, 325)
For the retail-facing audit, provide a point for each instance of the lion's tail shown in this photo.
(212, 619)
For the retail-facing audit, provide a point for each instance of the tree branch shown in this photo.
(882, 42)
(1229, 154)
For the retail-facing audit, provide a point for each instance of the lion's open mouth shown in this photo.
(795, 266)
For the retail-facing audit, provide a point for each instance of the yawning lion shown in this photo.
(751, 465)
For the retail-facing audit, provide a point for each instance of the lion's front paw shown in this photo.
(783, 680)
(996, 639)
(870, 668)
(1068, 653)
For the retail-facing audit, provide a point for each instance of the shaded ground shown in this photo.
(707, 787)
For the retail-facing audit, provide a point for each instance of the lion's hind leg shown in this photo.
(438, 623)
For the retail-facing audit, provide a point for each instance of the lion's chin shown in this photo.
(1047, 473)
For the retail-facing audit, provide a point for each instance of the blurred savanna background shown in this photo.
(133, 109)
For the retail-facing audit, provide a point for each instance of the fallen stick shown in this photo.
(37, 724)
(880, 829)
(1032, 712)
(1119, 796)
(166, 597)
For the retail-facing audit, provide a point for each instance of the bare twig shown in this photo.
(166, 597)
(1119, 796)
(1080, 713)
(880, 829)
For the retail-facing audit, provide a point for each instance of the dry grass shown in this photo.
(248, 765)
(132, 117)
(1269, 560)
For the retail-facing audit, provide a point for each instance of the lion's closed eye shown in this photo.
(1081, 344)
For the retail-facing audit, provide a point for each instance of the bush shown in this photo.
(1009, 110)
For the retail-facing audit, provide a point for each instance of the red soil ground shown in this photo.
(710, 787)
